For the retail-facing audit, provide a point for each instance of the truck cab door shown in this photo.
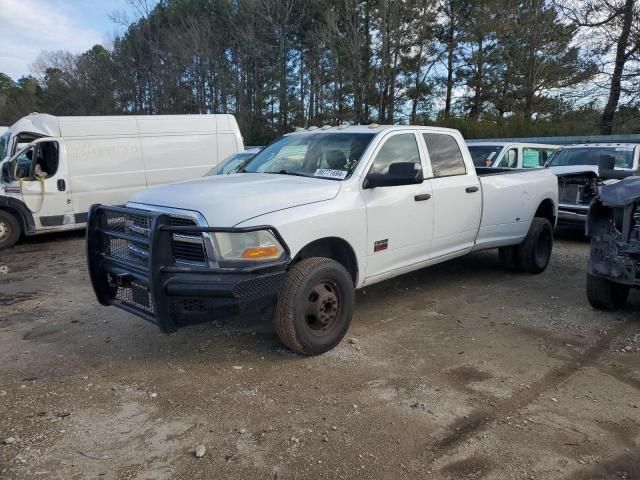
(399, 216)
(41, 176)
(457, 196)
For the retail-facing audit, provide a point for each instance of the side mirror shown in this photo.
(400, 173)
(607, 171)
(6, 172)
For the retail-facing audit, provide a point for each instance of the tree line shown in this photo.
(487, 67)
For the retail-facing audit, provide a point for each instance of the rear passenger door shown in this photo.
(457, 198)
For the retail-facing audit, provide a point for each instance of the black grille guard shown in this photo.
(143, 285)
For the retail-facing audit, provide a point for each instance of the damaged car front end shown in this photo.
(614, 261)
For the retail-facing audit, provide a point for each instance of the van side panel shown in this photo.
(174, 152)
(174, 157)
(104, 170)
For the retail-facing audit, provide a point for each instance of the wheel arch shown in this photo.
(20, 211)
(335, 248)
(547, 209)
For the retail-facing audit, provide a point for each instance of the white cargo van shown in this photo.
(54, 168)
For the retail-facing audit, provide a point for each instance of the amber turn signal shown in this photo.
(256, 253)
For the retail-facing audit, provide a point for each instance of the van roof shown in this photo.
(68, 126)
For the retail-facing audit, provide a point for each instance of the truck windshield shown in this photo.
(320, 155)
(565, 157)
(484, 155)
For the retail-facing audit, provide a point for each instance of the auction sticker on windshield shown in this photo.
(328, 173)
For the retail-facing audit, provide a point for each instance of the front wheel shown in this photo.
(315, 306)
(604, 294)
(9, 230)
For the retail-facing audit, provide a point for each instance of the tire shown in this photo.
(508, 257)
(315, 306)
(604, 294)
(534, 252)
(10, 230)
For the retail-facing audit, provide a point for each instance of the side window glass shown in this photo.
(532, 158)
(444, 152)
(399, 148)
(510, 159)
(24, 162)
(46, 164)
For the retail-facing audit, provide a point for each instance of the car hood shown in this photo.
(621, 193)
(227, 200)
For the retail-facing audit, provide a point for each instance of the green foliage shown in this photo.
(486, 67)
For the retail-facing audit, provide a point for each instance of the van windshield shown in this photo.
(623, 156)
(320, 155)
(4, 145)
(484, 155)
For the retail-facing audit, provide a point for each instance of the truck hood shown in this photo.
(227, 200)
(579, 169)
(574, 169)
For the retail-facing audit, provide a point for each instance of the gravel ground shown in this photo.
(456, 371)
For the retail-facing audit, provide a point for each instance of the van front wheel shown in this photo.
(315, 306)
(9, 230)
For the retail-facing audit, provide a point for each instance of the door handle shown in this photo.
(422, 197)
(472, 189)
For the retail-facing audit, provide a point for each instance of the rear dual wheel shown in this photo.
(534, 253)
(315, 306)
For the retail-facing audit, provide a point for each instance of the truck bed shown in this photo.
(509, 202)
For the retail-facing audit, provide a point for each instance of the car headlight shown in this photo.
(260, 245)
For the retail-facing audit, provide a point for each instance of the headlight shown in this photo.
(253, 246)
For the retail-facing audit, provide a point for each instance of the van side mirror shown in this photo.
(400, 173)
(6, 172)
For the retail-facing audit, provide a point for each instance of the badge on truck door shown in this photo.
(380, 245)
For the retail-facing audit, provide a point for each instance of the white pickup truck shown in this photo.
(312, 217)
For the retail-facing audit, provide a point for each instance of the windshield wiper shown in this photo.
(287, 172)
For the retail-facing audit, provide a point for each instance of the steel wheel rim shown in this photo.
(5, 230)
(323, 306)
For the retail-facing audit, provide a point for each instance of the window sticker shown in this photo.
(624, 149)
(329, 173)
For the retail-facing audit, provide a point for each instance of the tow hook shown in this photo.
(120, 279)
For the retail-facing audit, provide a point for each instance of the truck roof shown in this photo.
(600, 145)
(505, 144)
(372, 128)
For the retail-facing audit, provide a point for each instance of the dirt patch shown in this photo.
(447, 379)
(468, 468)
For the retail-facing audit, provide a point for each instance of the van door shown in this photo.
(400, 217)
(41, 175)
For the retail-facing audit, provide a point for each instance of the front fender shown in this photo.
(344, 217)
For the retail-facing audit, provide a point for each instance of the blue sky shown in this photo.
(27, 27)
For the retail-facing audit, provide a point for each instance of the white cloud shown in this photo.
(27, 27)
